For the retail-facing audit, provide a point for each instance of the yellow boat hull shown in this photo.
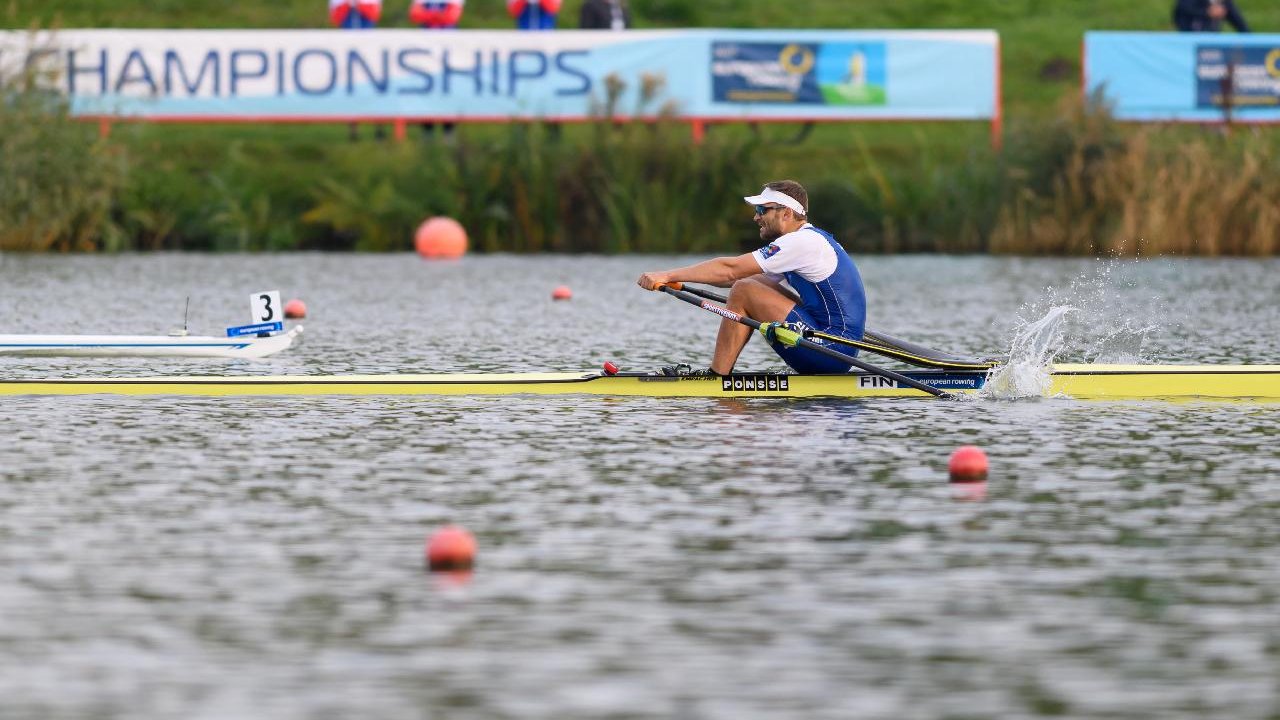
(1076, 381)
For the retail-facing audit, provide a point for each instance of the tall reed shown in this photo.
(57, 182)
(627, 188)
(880, 202)
(1092, 187)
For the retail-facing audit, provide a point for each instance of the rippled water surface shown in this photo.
(639, 558)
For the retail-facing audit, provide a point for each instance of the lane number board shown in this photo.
(265, 307)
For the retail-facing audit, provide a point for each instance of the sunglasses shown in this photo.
(764, 209)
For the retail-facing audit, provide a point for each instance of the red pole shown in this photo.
(699, 131)
(104, 128)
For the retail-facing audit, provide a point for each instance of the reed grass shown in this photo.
(630, 188)
(1104, 189)
(57, 183)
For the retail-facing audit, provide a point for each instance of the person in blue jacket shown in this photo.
(534, 14)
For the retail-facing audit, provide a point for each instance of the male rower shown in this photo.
(802, 277)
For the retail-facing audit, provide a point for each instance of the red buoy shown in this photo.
(968, 464)
(561, 293)
(440, 238)
(295, 309)
(610, 369)
(451, 548)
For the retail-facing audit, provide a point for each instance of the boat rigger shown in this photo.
(1085, 382)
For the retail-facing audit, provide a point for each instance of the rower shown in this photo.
(801, 277)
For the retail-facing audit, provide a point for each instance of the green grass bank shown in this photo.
(1069, 180)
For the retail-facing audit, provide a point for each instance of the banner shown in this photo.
(346, 74)
(1185, 76)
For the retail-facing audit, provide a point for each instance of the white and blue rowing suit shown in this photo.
(831, 296)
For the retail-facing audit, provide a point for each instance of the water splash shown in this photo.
(1035, 345)
(1104, 315)
(1115, 316)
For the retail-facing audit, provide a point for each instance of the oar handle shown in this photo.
(795, 339)
(700, 292)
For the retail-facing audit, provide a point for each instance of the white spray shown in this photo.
(1035, 345)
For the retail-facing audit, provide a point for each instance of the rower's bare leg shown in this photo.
(756, 297)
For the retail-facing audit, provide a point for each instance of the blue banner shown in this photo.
(257, 329)
(491, 75)
(1185, 76)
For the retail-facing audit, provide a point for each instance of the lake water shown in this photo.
(639, 558)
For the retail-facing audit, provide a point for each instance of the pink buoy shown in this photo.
(561, 293)
(440, 238)
(295, 309)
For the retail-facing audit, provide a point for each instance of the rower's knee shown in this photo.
(740, 291)
(745, 286)
(751, 295)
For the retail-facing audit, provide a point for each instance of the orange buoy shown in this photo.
(440, 238)
(295, 309)
(968, 464)
(451, 548)
(561, 293)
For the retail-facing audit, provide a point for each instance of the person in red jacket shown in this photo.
(355, 14)
(534, 14)
(436, 14)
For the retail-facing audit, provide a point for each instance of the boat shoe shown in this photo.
(686, 370)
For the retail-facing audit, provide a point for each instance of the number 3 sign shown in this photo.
(264, 307)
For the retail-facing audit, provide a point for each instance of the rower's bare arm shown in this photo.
(721, 272)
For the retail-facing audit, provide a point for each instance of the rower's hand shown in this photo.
(651, 280)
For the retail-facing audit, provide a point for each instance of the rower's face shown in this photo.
(769, 218)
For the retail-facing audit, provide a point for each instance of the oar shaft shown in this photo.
(802, 342)
(878, 343)
(703, 293)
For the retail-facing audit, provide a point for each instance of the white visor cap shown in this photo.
(769, 195)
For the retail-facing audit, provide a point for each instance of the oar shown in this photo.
(787, 336)
(700, 292)
(880, 344)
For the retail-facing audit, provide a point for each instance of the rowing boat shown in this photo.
(146, 345)
(1074, 381)
(944, 375)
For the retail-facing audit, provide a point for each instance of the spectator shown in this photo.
(355, 14)
(436, 15)
(1207, 15)
(605, 15)
(534, 14)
